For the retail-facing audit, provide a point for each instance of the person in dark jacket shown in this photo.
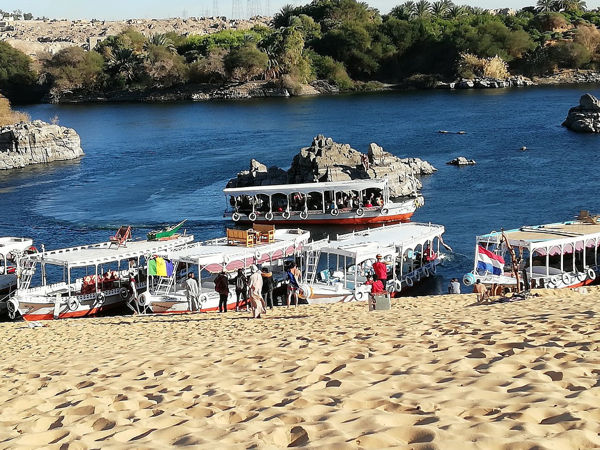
(241, 289)
(268, 286)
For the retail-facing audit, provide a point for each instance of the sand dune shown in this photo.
(434, 372)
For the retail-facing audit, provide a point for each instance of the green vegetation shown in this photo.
(346, 42)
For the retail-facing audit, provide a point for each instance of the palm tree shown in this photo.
(574, 5)
(124, 61)
(456, 11)
(160, 40)
(405, 11)
(546, 5)
(282, 18)
(475, 10)
(422, 8)
(439, 8)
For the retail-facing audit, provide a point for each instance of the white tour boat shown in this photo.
(11, 248)
(337, 202)
(94, 278)
(268, 247)
(335, 271)
(556, 255)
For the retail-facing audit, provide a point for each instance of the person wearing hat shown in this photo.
(380, 269)
(255, 284)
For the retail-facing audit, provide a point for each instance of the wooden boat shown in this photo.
(336, 270)
(165, 233)
(11, 248)
(556, 255)
(167, 295)
(91, 279)
(327, 203)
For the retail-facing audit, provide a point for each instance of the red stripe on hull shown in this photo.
(335, 221)
(583, 283)
(71, 314)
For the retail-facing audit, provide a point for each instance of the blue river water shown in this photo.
(150, 164)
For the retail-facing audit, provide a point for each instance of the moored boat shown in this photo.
(269, 247)
(352, 202)
(336, 270)
(92, 278)
(169, 232)
(556, 255)
(11, 248)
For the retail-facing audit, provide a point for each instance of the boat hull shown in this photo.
(331, 220)
(177, 303)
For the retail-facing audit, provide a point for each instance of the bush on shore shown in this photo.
(8, 116)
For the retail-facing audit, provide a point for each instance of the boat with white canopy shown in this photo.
(270, 248)
(336, 270)
(556, 255)
(93, 278)
(336, 202)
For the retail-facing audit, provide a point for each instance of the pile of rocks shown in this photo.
(35, 143)
(326, 160)
(584, 118)
(486, 83)
(462, 161)
(570, 76)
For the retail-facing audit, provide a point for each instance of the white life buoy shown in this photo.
(304, 215)
(305, 291)
(409, 281)
(581, 276)
(203, 298)
(360, 212)
(591, 274)
(73, 303)
(566, 279)
(13, 306)
(550, 283)
(100, 297)
(391, 286)
(124, 293)
(384, 211)
(235, 217)
(252, 216)
(269, 216)
(286, 215)
(359, 295)
(554, 279)
(335, 212)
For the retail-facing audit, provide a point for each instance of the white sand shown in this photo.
(431, 373)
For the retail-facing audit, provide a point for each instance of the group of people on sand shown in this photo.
(254, 292)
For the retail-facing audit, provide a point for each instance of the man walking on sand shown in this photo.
(255, 284)
(380, 269)
(192, 292)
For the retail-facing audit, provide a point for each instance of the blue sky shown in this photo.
(123, 9)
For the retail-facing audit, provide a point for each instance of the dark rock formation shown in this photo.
(462, 161)
(326, 160)
(584, 118)
(35, 143)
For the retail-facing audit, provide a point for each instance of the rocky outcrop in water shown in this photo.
(584, 118)
(486, 83)
(462, 161)
(326, 160)
(35, 143)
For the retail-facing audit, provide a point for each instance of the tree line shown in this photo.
(346, 42)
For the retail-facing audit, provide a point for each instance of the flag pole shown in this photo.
(513, 260)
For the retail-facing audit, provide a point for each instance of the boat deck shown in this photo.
(104, 252)
(543, 233)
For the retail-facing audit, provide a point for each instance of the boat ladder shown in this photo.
(27, 271)
(312, 261)
(166, 283)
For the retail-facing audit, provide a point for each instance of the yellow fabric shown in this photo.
(161, 267)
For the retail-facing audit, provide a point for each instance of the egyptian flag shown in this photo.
(489, 262)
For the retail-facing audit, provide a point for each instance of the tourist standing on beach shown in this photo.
(255, 284)
(268, 286)
(380, 269)
(241, 286)
(192, 292)
(293, 286)
(222, 287)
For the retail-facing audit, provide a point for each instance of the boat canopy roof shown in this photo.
(104, 253)
(546, 236)
(8, 244)
(328, 186)
(386, 240)
(215, 255)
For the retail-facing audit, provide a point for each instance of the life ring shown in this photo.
(235, 216)
(591, 274)
(391, 286)
(581, 276)
(468, 279)
(143, 300)
(73, 303)
(305, 291)
(124, 293)
(360, 212)
(409, 281)
(269, 216)
(566, 279)
(550, 282)
(252, 216)
(358, 295)
(100, 297)
(304, 215)
(31, 250)
(286, 215)
(385, 211)
(203, 298)
(13, 306)
(554, 279)
(335, 212)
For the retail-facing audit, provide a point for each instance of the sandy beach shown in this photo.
(434, 372)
